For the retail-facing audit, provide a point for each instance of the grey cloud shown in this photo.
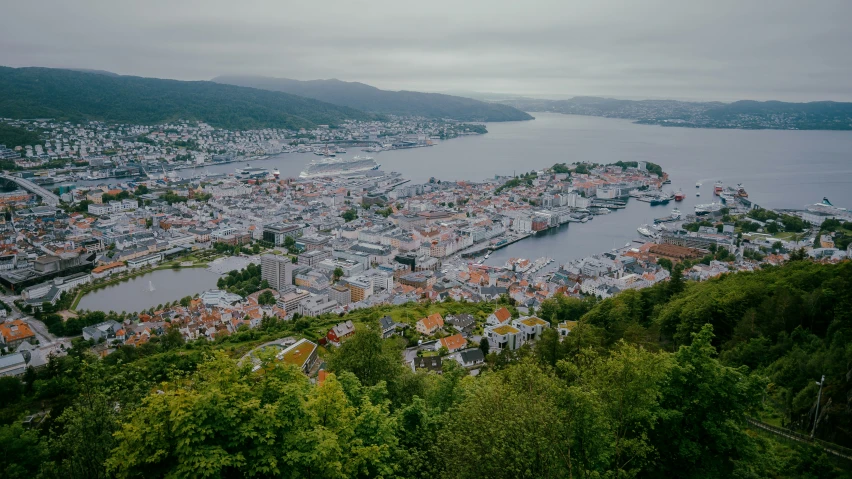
(701, 49)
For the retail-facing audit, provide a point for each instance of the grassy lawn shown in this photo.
(785, 236)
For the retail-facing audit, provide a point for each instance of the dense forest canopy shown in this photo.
(12, 136)
(651, 383)
(74, 95)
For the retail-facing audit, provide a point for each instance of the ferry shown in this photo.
(668, 219)
(646, 230)
(680, 195)
(701, 210)
(252, 172)
(718, 187)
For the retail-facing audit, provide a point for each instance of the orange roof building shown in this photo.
(501, 316)
(452, 343)
(430, 324)
(16, 332)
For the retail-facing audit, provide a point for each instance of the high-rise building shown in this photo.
(276, 270)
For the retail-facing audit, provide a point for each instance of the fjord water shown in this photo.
(779, 168)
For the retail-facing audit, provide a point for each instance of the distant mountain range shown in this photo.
(746, 114)
(95, 95)
(371, 99)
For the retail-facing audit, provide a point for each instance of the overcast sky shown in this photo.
(792, 50)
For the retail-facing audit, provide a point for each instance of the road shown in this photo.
(46, 196)
(42, 334)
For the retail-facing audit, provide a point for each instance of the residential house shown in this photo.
(470, 357)
(501, 316)
(428, 325)
(105, 330)
(339, 332)
(429, 363)
(464, 323)
(503, 337)
(389, 327)
(564, 328)
(453, 343)
(530, 327)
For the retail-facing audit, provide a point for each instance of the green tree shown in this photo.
(484, 345)
(338, 273)
(701, 431)
(349, 215)
(676, 283)
(665, 263)
(266, 298)
(22, 452)
(226, 421)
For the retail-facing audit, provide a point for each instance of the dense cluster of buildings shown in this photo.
(333, 244)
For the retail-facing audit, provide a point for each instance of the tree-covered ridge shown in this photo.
(74, 95)
(632, 391)
(745, 114)
(12, 136)
(371, 99)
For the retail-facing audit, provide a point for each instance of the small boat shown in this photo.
(276, 173)
(698, 185)
(718, 188)
(697, 193)
(487, 255)
(741, 192)
(680, 196)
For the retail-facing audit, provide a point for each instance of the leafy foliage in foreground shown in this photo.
(607, 401)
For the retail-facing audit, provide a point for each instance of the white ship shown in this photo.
(338, 166)
(646, 230)
(701, 210)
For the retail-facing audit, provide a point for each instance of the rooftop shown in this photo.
(505, 329)
(298, 353)
(533, 321)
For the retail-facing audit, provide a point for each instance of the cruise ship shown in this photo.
(338, 166)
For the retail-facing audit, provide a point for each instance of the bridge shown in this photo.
(830, 448)
(46, 196)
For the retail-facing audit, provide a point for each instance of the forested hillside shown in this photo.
(75, 95)
(12, 136)
(746, 114)
(371, 99)
(655, 383)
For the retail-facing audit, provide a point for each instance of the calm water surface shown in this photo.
(780, 169)
(135, 295)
